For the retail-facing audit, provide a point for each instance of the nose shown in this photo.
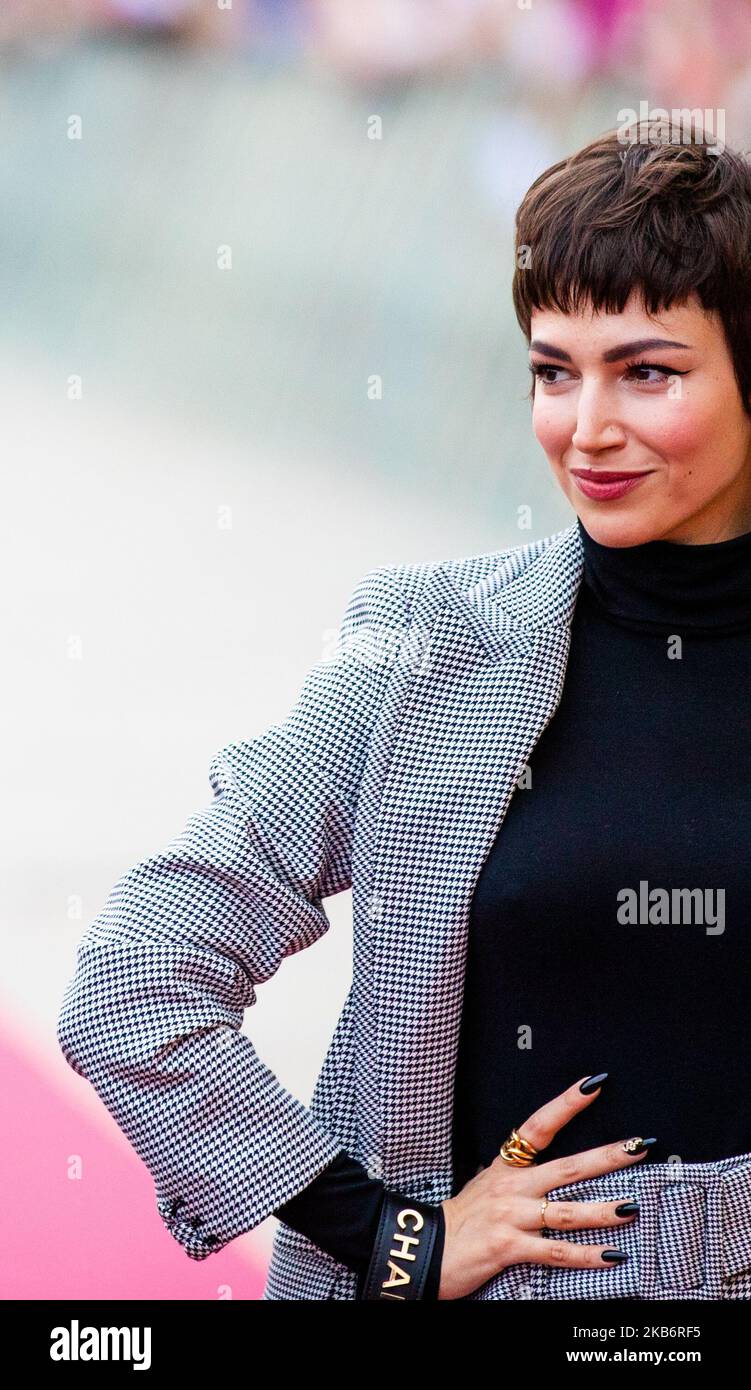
(596, 429)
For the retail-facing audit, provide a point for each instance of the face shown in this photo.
(655, 397)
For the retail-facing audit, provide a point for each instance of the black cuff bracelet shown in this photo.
(403, 1247)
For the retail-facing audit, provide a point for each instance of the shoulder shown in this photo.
(404, 582)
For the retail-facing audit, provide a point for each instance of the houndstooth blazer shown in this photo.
(391, 775)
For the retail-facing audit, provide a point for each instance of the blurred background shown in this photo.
(256, 336)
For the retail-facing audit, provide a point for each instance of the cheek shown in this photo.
(692, 437)
(680, 434)
(552, 429)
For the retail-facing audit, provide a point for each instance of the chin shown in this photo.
(617, 528)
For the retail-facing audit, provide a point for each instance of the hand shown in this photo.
(495, 1220)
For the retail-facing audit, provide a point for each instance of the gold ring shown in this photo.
(543, 1204)
(518, 1151)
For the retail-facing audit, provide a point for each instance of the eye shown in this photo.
(539, 368)
(659, 367)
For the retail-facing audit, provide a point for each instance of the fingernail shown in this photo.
(613, 1256)
(637, 1146)
(627, 1208)
(591, 1084)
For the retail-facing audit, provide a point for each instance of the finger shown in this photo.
(590, 1163)
(570, 1216)
(542, 1125)
(563, 1253)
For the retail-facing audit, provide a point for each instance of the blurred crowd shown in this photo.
(686, 50)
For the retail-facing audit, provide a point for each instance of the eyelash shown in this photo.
(538, 368)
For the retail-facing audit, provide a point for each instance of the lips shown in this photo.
(607, 485)
(603, 475)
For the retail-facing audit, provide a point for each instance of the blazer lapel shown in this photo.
(480, 680)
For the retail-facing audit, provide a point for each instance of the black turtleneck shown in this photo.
(641, 782)
(666, 586)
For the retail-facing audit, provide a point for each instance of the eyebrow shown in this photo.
(615, 354)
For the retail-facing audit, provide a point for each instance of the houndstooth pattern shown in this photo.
(391, 775)
(691, 1240)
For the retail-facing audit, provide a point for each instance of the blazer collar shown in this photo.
(533, 589)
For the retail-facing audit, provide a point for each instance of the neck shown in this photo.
(670, 587)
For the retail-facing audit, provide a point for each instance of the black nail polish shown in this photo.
(627, 1209)
(614, 1256)
(637, 1146)
(591, 1084)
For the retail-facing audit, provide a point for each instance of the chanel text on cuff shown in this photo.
(402, 1250)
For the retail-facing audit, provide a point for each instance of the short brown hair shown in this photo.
(642, 213)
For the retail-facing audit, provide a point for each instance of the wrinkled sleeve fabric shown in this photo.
(340, 1211)
(153, 1014)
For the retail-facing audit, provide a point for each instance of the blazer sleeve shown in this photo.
(340, 1212)
(152, 1015)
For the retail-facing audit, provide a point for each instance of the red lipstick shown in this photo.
(605, 484)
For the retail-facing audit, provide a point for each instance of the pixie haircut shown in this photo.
(638, 209)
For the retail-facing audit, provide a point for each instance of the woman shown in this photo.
(533, 769)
